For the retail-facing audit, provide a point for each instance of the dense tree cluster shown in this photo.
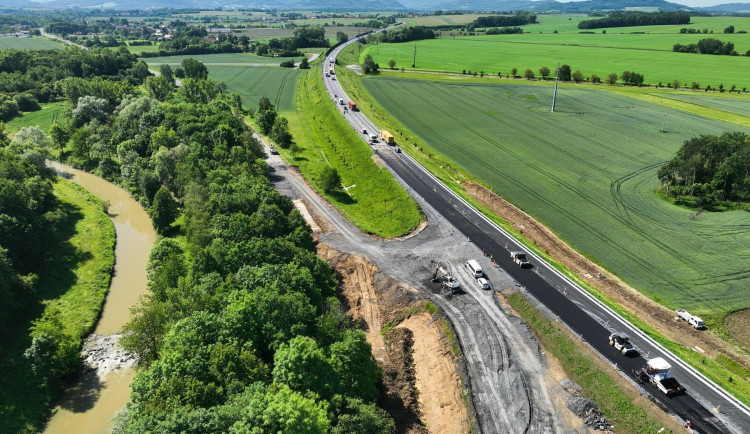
(620, 19)
(707, 46)
(28, 77)
(711, 169)
(404, 34)
(304, 37)
(28, 213)
(241, 329)
(520, 18)
(504, 30)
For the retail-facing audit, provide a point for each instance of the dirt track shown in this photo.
(505, 368)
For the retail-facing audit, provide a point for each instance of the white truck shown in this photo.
(693, 320)
(520, 259)
(656, 372)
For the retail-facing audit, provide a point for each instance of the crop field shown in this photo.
(13, 43)
(588, 171)
(618, 50)
(261, 33)
(733, 105)
(254, 82)
(223, 58)
(442, 20)
(43, 118)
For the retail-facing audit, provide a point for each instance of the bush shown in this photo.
(330, 180)
(26, 102)
(287, 64)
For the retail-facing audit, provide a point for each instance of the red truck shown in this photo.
(352, 106)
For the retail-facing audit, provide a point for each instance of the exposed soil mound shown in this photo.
(589, 412)
(738, 325)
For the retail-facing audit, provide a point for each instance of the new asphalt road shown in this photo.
(707, 406)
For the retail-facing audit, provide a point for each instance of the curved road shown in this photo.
(581, 312)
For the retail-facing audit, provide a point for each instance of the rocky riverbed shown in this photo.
(103, 354)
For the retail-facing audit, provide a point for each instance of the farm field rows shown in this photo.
(618, 50)
(13, 43)
(254, 82)
(733, 105)
(588, 172)
(226, 58)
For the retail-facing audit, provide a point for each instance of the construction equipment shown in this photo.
(443, 275)
(656, 372)
(621, 343)
(520, 259)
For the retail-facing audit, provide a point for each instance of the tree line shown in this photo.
(707, 46)
(241, 328)
(710, 169)
(620, 19)
(520, 18)
(402, 34)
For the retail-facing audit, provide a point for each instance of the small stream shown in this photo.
(88, 405)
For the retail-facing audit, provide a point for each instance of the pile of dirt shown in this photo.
(655, 315)
(589, 412)
(399, 396)
(375, 301)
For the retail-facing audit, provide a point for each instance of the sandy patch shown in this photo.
(439, 386)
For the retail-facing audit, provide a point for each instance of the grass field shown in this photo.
(138, 49)
(618, 50)
(589, 173)
(75, 280)
(43, 117)
(223, 58)
(374, 202)
(739, 105)
(254, 82)
(36, 43)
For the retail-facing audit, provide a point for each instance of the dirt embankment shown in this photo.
(655, 315)
(421, 390)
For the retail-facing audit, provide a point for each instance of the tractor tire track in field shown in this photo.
(257, 81)
(644, 263)
(281, 89)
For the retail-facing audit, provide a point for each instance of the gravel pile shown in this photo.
(589, 412)
(104, 354)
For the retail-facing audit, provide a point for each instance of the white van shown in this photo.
(374, 138)
(474, 267)
(341, 101)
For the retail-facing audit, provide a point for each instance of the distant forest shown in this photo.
(636, 19)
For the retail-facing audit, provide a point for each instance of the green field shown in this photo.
(618, 50)
(43, 117)
(373, 201)
(138, 49)
(36, 43)
(254, 82)
(588, 172)
(739, 105)
(224, 58)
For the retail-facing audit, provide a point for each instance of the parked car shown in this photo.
(483, 283)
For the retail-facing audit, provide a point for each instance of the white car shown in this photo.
(483, 283)
(274, 151)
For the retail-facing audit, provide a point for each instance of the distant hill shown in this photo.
(307, 5)
(540, 6)
(728, 7)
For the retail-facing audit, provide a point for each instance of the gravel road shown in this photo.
(504, 363)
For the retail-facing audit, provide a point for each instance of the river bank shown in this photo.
(103, 383)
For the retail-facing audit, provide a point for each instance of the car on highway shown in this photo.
(398, 150)
(483, 283)
(364, 131)
(274, 151)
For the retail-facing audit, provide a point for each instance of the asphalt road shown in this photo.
(707, 406)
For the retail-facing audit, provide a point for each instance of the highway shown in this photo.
(707, 406)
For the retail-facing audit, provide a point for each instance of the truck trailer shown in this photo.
(352, 106)
(387, 137)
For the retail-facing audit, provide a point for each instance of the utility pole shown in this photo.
(554, 95)
(664, 123)
(414, 65)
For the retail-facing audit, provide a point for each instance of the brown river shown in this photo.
(88, 405)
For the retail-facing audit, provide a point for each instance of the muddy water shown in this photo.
(88, 407)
